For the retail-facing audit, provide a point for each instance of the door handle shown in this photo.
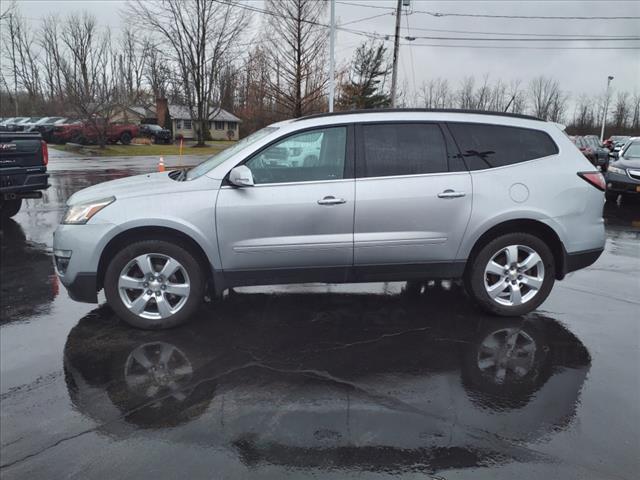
(451, 194)
(331, 200)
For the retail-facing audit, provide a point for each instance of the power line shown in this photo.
(411, 44)
(386, 37)
(475, 32)
(488, 39)
(364, 19)
(486, 15)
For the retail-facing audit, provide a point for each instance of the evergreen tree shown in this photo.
(365, 88)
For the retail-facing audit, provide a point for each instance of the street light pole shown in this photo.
(606, 107)
(396, 46)
(332, 59)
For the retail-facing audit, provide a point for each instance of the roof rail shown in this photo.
(425, 110)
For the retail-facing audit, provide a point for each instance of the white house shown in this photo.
(222, 126)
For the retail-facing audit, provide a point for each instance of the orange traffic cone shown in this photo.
(161, 165)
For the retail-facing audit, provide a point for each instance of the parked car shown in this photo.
(46, 126)
(601, 153)
(395, 195)
(90, 132)
(31, 126)
(615, 142)
(156, 133)
(65, 132)
(23, 170)
(15, 124)
(87, 133)
(623, 174)
(586, 149)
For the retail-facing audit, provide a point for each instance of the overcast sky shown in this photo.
(579, 71)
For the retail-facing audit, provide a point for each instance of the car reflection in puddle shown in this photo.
(359, 382)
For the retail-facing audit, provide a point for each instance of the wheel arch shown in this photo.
(136, 234)
(525, 225)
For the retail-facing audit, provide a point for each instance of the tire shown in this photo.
(611, 196)
(125, 138)
(9, 208)
(176, 307)
(534, 280)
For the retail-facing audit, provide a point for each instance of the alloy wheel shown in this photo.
(154, 286)
(514, 275)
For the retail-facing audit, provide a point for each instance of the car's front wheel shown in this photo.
(511, 275)
(154, 284)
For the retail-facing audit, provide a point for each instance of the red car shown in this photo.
(88, 133)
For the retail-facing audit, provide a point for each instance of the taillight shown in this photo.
(45, 152)
(594, 178)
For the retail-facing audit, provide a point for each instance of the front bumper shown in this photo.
(82, 246)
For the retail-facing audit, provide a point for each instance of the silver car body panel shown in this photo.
(383, 221)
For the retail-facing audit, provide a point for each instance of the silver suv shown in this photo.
(505, 202)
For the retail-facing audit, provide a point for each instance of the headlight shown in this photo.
(619, 171)
(81, 213)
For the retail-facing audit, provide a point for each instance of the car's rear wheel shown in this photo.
(9, 208)
(154, 284)
(511, 275)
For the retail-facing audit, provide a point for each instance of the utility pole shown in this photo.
(396, 46)
(332, 57)
(606, 107)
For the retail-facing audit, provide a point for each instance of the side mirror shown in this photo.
(241, 176)
(613, 154)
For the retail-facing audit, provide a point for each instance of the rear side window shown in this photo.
(487, 146)
(393, 149)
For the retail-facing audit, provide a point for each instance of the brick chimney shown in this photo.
(162, 112)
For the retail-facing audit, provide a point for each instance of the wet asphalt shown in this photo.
(352, 381)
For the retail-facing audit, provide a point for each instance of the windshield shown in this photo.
(632, 151)
(154, 127)
(217, 159)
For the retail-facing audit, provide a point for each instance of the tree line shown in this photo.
(206, 54)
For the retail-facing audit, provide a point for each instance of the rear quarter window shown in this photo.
(489, 146)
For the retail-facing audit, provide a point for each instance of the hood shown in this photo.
(626, 163)
(139, 185)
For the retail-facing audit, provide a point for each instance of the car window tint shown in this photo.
(310, 156)
(485, 146)
(403, 149)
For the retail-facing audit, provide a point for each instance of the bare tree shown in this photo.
(544, 93)
(483, 96)
(88, 69)
(157, 71)
(635, 116)
(130, 67)
(20, 52)
(465, 94)
(621, 111)
(200, 34)
(297, 54)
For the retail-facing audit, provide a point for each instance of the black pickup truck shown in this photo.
(23, 170)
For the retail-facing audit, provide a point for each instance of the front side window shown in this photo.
(489, 146)
(403, 149)
(226, 154)
(309, 156)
